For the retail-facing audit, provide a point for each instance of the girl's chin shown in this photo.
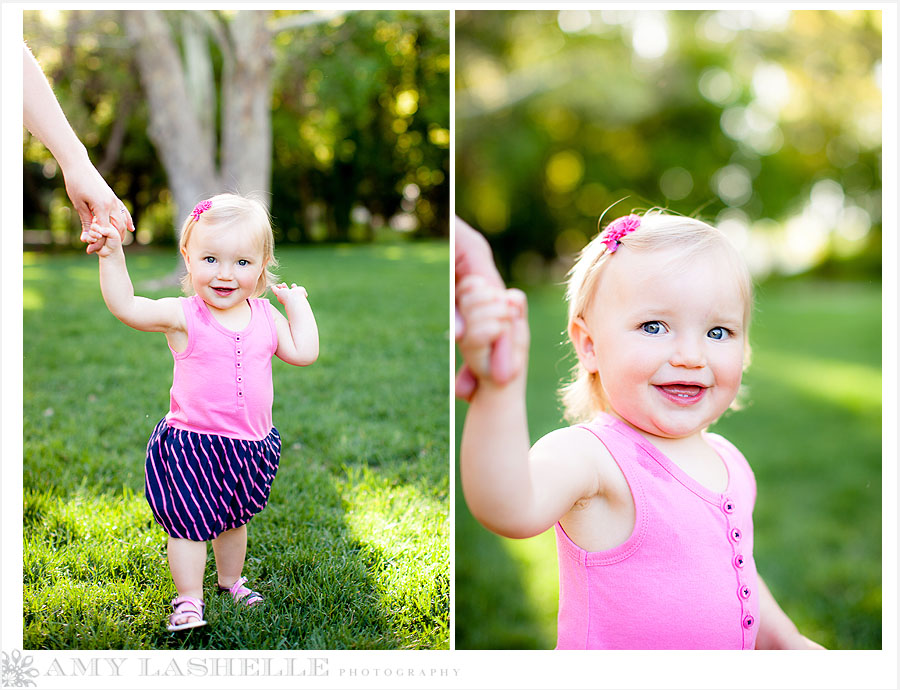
(664, 427)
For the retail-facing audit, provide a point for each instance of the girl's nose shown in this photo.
(688, 352)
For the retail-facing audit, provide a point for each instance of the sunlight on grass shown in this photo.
(407, 534)
(87, 274)
(86, 516)
(400, 252)
(32, 299)
(849, 385)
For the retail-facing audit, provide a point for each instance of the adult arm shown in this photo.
(44, 118)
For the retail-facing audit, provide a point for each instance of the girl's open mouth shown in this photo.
(682, 393)
(224, 292)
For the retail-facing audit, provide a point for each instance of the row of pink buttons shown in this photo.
(237, 364)
(735, 535)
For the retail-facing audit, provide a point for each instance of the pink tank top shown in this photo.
(685, 578)
(222, 383)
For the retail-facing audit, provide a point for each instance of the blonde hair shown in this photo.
(226, 210)
(583, 395)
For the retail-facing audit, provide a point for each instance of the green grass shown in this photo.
(811, 430)
(353, 548)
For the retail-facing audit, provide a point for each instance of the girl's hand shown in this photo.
(490, 313)
(107, 238)
(286, 294)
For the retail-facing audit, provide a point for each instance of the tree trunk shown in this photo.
(184, 147)
(181, 93)
(247, 106)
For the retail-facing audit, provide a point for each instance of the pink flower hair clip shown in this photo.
(615, 231)
(200, 208)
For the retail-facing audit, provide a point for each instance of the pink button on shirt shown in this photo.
(685, 579)
(222, 383)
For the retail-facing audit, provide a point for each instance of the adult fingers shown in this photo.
(465, 384)
(473, 255)
(129, 221)
(501, 359)
(459, 329)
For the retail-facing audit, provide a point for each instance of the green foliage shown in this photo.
(811, 430)
(767, 123)
(360, 122)
(352, 550)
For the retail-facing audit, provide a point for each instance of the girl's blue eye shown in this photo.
(718, 333)
(243, 262)
(209, 260)
(653, 328)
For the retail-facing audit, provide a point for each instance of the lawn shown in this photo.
(353, 549)
(811, 430)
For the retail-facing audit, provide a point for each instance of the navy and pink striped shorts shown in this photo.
(200, 485)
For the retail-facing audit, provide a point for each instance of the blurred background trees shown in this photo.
(765, 122)
(357, 108)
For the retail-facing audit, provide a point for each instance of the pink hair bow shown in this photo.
(616, 230)
(200, 208)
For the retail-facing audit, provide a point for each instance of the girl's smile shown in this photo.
(682, 393)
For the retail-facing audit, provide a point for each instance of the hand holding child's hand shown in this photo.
(489, 313)
(97, 233)
(286, 294)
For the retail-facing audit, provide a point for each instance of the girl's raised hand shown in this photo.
(97, 231)
(284, 294)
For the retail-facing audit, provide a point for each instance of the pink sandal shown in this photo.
(189, 610)
(241, 594)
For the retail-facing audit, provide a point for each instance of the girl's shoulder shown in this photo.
(582, 456)
(572, 438)
(573, 444)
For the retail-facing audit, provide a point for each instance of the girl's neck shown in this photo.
(692, 454)
(235, 318)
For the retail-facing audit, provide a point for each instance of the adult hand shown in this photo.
(474, 257)
(92, 198)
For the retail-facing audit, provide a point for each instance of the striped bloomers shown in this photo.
(200, 485)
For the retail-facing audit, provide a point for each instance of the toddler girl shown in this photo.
(211, 460)
(652, 513)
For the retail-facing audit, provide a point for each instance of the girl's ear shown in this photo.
(581, 338)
